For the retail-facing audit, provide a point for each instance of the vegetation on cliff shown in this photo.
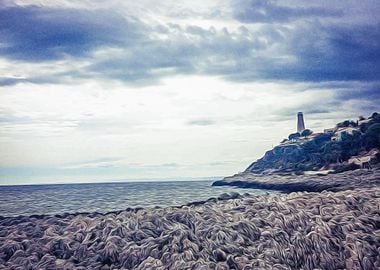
(334, 149)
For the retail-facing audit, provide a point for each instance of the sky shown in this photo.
(115, 90)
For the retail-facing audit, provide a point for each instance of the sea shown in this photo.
(52, 199)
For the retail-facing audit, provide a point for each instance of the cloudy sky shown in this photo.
(107, 90)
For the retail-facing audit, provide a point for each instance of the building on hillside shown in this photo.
(314, 135)
(329, 130)
(364, 121)
(341, 131)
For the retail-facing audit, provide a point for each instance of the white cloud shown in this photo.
(150, 126)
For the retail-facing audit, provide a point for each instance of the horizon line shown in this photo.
(113, 181)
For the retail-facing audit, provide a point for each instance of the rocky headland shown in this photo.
(344, 157)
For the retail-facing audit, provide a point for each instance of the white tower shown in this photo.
(300, 122)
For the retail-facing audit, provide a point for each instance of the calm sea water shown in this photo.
(105, 197)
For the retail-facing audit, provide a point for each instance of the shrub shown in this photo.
(294, 136)
(306, 132)
(347, 123)
(374, 115)
(372, 136)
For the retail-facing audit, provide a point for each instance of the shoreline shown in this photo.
(121, 181)
(310, 183)
(222, 197)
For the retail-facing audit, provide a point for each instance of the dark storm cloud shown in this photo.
(191, 50)
(312, 52)
(4, 81)
(253, 11)
(332, 53)
(10, 81)
(307, 51)
(147, 61)
(370, 94)
(35, 33)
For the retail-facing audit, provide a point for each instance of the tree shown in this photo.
(375, 128)
(372, 136)
(325, 137)
(306, 132)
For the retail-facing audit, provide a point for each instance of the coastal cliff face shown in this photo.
(342, 148)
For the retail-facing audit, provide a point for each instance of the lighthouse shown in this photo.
(300, 122)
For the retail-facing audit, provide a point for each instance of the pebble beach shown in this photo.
(300, 230)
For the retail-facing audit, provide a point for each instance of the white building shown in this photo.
(340, 131)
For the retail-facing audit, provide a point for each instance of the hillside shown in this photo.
(344, 157)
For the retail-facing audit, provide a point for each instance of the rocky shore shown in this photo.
(312, 183)
(327, 230)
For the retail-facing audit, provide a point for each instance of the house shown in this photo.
(314, 135)
(364, 121)
(343, 130)
(329, 130)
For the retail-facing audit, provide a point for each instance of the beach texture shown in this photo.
(300, 230)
